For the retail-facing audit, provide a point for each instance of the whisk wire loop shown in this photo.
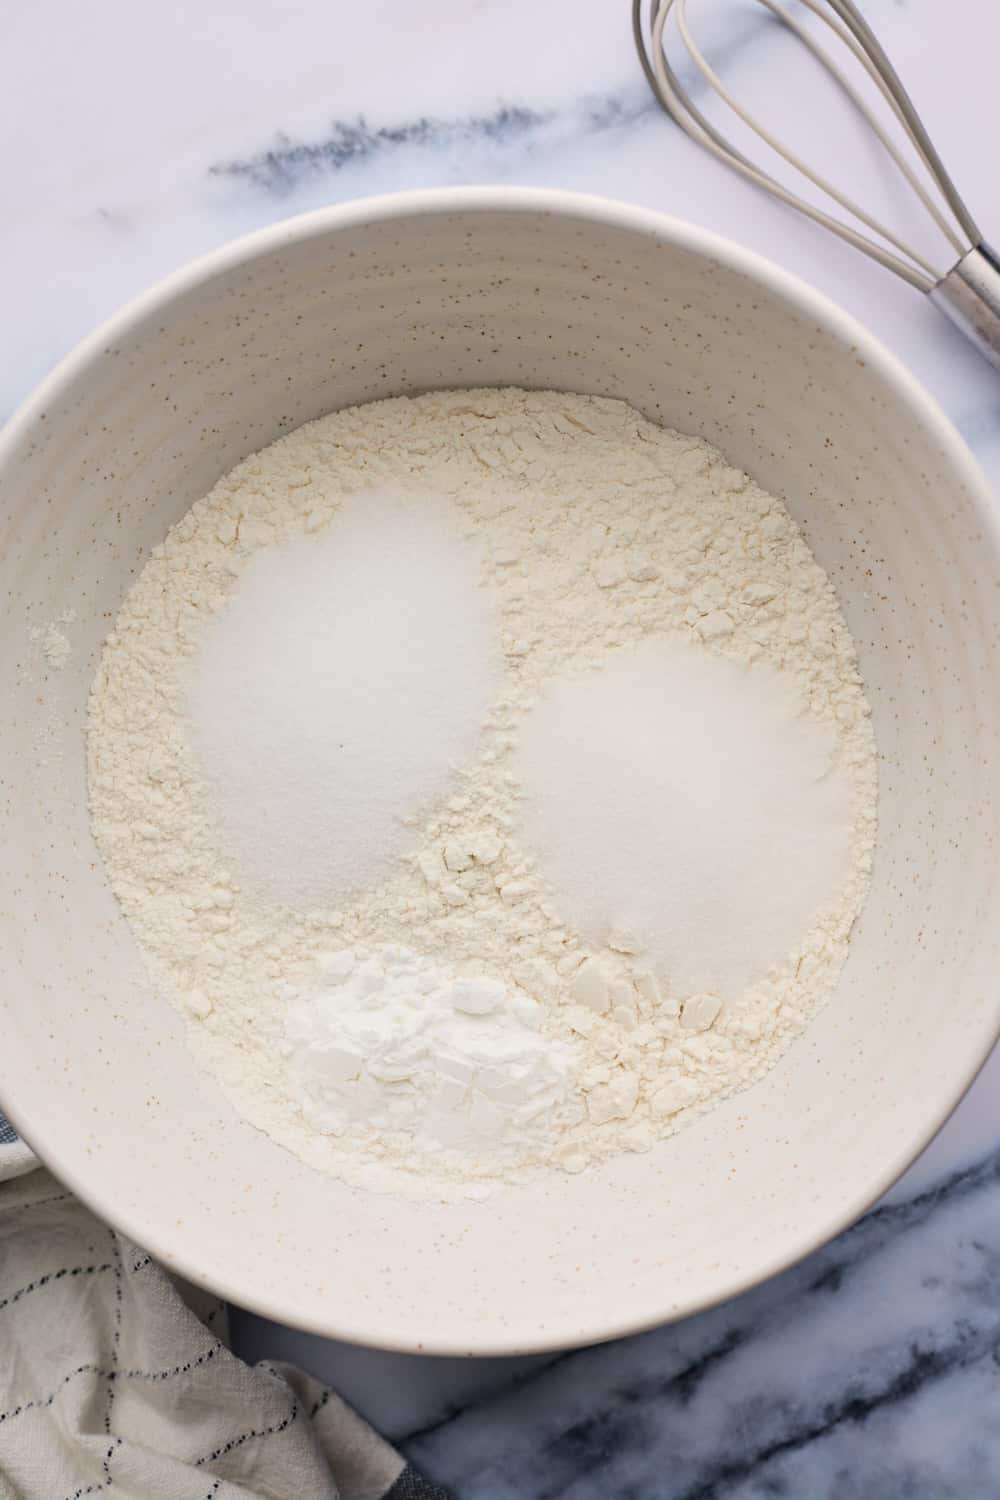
(849, 28)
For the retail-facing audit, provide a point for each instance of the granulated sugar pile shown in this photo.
(350, 672)
(489, 779)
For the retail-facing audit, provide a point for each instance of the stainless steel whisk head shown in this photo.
(967, 289)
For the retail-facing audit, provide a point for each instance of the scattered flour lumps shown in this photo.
(334, 693)
(688, 800)
(393, 1043)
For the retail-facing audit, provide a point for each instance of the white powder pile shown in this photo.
(572, 624)
(687, 801)
(333, 695)
(393, 1044)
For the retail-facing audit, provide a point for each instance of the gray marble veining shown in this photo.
(871, 1369)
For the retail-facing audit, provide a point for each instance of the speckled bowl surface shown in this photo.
(473, 287)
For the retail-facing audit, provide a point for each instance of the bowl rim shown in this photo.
(97, 1192)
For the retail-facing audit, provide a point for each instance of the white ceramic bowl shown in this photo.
(464, 288)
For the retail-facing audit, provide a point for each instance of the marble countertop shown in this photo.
(140, 136)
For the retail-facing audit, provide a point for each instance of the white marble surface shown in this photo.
(139, 135)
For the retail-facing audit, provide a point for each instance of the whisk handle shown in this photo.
(970, 296)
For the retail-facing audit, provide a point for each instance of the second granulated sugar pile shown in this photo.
(489, 779)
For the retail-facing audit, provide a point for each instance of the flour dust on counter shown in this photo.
(488, 778)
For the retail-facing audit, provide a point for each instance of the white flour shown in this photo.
(56, 646)
(596, 532)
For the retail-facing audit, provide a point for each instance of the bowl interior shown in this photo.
(485, 289)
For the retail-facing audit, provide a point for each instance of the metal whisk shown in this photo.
(968, 288)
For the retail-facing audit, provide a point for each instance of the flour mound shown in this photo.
(592, 537)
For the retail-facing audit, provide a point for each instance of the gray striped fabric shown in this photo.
(114, 1378)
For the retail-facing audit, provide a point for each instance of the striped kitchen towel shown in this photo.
(15, 1156)
(110, 1379)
